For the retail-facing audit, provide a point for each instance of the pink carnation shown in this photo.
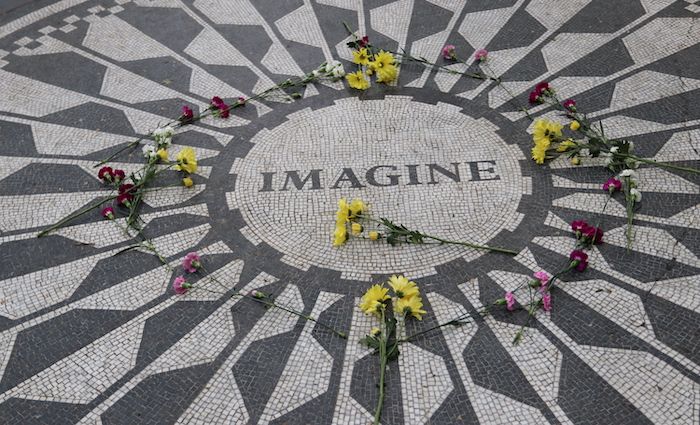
(108, 213)
(547, 301)
(118, 175)
(106, 174)
(570, 104)
(543, 277)
(612, 185)
(581, 258)
(187, 114)
(180, 285)
(510, 301)
(578, 225)
(191, 262)
(481, 54)
(448, 52)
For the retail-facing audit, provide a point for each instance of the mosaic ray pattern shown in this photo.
(92, 333)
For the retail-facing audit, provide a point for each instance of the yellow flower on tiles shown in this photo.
(186, 161)
(340, 235)
(187, 182)
(383, 59)
(342, 215)
(374, 235)
(575, 125)
(546, 131)
(356, 228)
(162, 154)
(403, 288)
(375, 331)
(373, 300)
(361, 56)
(387, 74)
(539, 153)
(566, 145)
(410, 306)
(357, 207)
(357, 80)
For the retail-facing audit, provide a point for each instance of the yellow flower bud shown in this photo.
(356, 228)
(375, 331)
(374, 235)
(162, 154)
(187, 182)
(575, 160)
(575, 125)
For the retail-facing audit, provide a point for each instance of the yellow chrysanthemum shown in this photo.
(357, 80)
(383, 59)
(545, 130)
(539, 153)
(373, 299)
(375, 331)
(340, 235)
(403, 288)
(575, 160)
(387, 74)
(162, 154)
(374, 235)
(575, 125)
(411, 305)
(361, 57)
(356, 228)
(187, 182)
(566, 145)
(357, 207)
(186, 161)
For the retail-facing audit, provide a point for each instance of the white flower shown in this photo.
(637, 194)
(628, 173)
(339, 71)
(330, 66)
(614, 149)
(315, 73)
(149, 151)
(163, 136)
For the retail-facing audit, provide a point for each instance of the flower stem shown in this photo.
(70, 217)
(302, 315)
(382, 370)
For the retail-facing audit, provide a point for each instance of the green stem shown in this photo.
(382, 370)
(302, 315)
(661, 164)
(70, 217)
(629, 201)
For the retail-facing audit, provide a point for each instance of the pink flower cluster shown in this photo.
(220, 106)
(126, 194)
(541, 91)
(108, 175)
(543, 279)
(580, 258)
(363, 42)
(448, 52)
(190, 263)
(187, 115)
(481, 54)
(587, 234)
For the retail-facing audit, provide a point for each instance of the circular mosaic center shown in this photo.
(429, 167)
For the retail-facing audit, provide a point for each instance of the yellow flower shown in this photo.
(539, 152)
(356, 228)
(343, 213)
(566, 145)
(357, 207)
(187, 182)
(575, 125)
(403, 288)
(162, 154)
(340, 235)
(360, 57)
(575, 160)
(546, 131)
(374, 235)
(387, 74)
(357, 80)
(373, 299)
(375, 331)
(186, 161)
(383, 59)
(411, 305)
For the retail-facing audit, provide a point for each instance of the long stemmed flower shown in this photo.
(350, 215)
(407, 303)
(192, 263)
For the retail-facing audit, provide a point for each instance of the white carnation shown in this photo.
(149, 151)
(636, 193)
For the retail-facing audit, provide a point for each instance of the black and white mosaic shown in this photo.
(93, 335)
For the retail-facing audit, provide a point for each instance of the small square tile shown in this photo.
(71, 19)
(68, 28)
(47, 30)
(23, 41)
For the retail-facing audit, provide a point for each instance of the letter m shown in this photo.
(293, 177)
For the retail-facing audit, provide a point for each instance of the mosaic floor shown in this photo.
(91, 337)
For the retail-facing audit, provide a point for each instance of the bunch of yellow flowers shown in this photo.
(382, 64)
(406, 300)
(187, 163)
(346, 214)
(544, 133)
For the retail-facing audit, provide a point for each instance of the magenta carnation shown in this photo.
(569, 104)
(612, 185)
(543, 277)
(579, 225)
(118, 175)
(180, 285)
(448, 52)
(191, 262)
(105, 174)
(580, 259)
(108, 213)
